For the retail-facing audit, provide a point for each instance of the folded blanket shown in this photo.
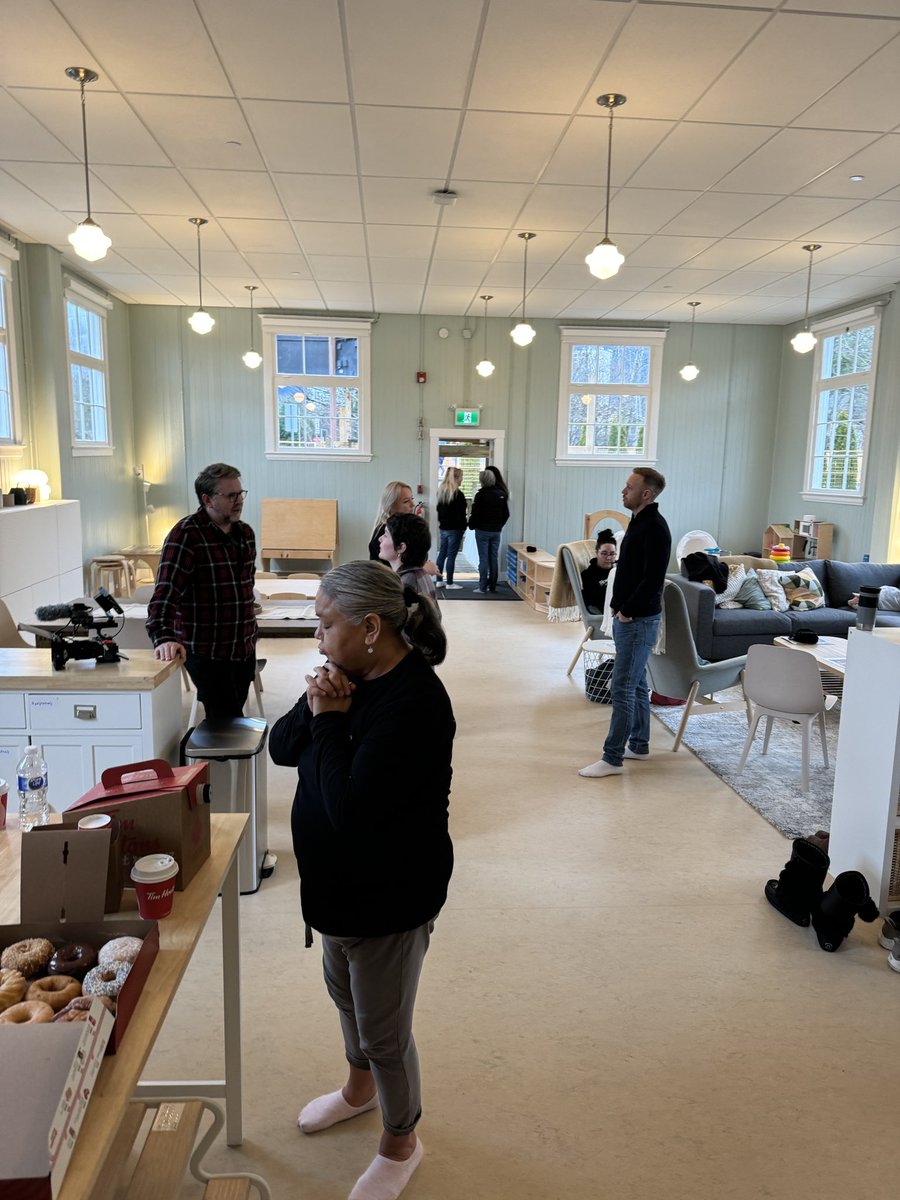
(563, 605)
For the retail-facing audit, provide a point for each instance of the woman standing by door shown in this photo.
(490, 512)
(451, 515)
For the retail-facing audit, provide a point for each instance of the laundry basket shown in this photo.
(598, 669)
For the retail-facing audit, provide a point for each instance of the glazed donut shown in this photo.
(12, 988)
(77, 1009)
(121, 949)
(55, 990)
(74, 959)
(27, 1012)
(30, 957)
(106, 981)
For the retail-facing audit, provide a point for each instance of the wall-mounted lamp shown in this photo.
(604, 260)
(200, 321)
(87, 239)
(690, 370)
(251, 358)
(33, 478)
(804, 341)
(485, 368)
(522, 334)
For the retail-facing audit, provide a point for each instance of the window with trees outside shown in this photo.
(843, 390)
(317, 374)
(9, 413)
(88, 376)
(608, 394)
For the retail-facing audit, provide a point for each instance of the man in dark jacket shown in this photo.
(637, 606)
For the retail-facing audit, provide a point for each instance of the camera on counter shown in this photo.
(85, 636)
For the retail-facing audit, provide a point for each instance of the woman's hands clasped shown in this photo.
(329, 690)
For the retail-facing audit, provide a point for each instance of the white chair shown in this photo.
(697, 539)
(784, 685)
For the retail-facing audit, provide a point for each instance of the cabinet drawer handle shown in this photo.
(86, 712)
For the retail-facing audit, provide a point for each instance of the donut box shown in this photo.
(96, 934)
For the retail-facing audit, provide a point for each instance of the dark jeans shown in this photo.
(222, 685)
(451, 540)
(630, 721)
(488, 550)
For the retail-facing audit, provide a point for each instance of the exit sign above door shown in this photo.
(468, 416)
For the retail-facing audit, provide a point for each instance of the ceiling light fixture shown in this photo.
(485, 367)
(604, 260)
(444, 197)
(88, 239)
(251, 358)
(804, 341)
(522, 334)
(857, 178)
(690, 371)
(200, 321)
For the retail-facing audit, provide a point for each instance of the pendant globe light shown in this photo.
(690, 371)
(485, 368)
(251, 358)
(522, 334)
(87, 239)
(604, 260)
(200, 321)
(804, 341)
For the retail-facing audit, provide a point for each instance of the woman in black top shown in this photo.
(451, 515)
(490, 512)
(594, 576)
(396, 499)
(372, 740)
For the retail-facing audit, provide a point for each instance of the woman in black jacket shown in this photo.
(372, 741)
(490, 512)
(451, 515)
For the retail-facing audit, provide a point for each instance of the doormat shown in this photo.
(467, 592)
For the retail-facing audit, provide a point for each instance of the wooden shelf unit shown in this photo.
(530, 574)
(816, 543)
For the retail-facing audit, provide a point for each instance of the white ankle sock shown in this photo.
(631, 754)
(600, 769)
(385, 1178)
(325, 1111)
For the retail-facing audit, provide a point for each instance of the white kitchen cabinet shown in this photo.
(40, 556)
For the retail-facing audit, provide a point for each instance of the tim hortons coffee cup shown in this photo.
(154, 884)
(4, 796)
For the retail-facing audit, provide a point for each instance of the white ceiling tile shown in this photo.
(738, 283)
(196, 131)
(399, 270)
(352, 296)
(791, 159)
(133, 39)
(697, 155)
(111, 264)
(223, 263)
(401, 241)
(872, 87)
(646, 210)
(294, 293)
(664, 251)
(448, 300)
(805, 54)
(387, 69)
(186, 289)
(627, 278)
(180, 233)
(593, 305)
(470, 244)
(491, 205)
(63, 185)
(513, 147)
(891, 238)
(320, 197)
(267, 237)
(687, 279)
(279, 266)
(285, 49)
(30, 218)
(234, 289)
(867, 221)
(457, 274)
(322, 237)
(402, 201)
(716, 214)
(733, 253)
(550, 302)
(745, 309)
(508, 274)
(406, 142)
(581, 155)
(877, 163)
(870, 8)
(237, 193)
(643, 306)
(794, 217)
(397, 297)
(555, 206)
(566, 275)
(161, 190)
(546, 247)
(339, 268)
(158, 262)
(511, 72)
(649, 60)
(303, 137)
(37, 46)
(23, 136)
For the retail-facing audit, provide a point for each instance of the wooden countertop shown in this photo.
(32, 671)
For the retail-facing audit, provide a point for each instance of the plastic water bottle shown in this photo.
(32, 784)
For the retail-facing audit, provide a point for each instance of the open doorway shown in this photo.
(471, 453)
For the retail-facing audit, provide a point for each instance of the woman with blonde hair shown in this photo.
(451, 515)
(396, 499)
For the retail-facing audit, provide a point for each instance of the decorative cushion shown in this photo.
(803, 590)
(751, 594)
(770, 582)
(889, 598)
(736, 576)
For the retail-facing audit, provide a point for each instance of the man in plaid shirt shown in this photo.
(202, 607)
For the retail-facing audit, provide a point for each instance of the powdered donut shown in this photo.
(33, 1012)
(29, 957)
(12, 988)
(121, 949)
(74, 959)
(77, 1009)
(106, 981)
(55, 990)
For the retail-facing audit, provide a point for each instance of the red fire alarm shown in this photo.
(421, 377)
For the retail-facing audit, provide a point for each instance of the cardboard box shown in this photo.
(40, 1122)
(161, 809)
(115, 867)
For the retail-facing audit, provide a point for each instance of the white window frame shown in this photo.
(12, 446)
(88, 298)
(591, 335)
(361, 329)
(857, 319)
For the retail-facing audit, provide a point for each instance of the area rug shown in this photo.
(770, 783)
(467, 592)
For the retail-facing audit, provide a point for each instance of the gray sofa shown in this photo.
(726, 632)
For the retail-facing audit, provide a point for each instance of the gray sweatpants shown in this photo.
(373, 983)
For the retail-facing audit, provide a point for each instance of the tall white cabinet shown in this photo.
(40, 556)
(865, 818)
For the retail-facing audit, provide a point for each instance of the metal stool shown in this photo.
(115, 573)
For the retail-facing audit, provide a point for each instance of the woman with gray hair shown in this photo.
(372, 741)
(490, 512)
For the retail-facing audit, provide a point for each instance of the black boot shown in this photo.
(848, 897)
(798, 888)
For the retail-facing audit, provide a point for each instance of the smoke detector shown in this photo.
(444, 196)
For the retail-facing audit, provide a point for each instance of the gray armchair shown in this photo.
(573, 554)
(679, 671)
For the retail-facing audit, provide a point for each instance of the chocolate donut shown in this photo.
(27, 1012)
(30, 957)
(74, 959)
(55, 990)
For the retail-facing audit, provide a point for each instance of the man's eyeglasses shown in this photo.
(231, 496)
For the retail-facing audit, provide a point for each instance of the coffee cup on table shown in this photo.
(154, 877)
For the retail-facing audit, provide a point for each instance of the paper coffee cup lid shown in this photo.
(154, 868)
(95, 821)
